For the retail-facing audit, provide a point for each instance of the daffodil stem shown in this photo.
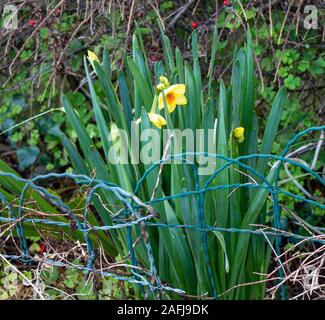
(233, 146)
(154, 104)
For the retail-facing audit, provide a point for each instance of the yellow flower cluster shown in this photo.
(170, 96)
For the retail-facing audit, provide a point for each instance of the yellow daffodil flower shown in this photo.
(239, 134)
(92, 57)
(157, 120)
(174, 96)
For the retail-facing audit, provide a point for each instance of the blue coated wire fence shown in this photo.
(134, 207)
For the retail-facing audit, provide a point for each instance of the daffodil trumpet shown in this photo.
(174, 95)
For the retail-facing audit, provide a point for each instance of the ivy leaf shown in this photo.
(19, 100)
(27, 156)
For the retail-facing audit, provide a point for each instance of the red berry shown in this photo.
(42, 248)
(226, 2)
(32, 23)
(195, 25)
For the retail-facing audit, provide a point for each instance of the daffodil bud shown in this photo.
(239, 134)
(115, 135)
(92, 57)
(163, 80)
(160, 87)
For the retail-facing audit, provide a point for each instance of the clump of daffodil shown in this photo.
(174, 94)
(238, 134)
(92, 57)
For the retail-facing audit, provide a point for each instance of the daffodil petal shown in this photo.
(157, 120)
(161, 104)
(176, 89)
(171, 107)
(180, 100)
(92, 56)
(162, 120)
